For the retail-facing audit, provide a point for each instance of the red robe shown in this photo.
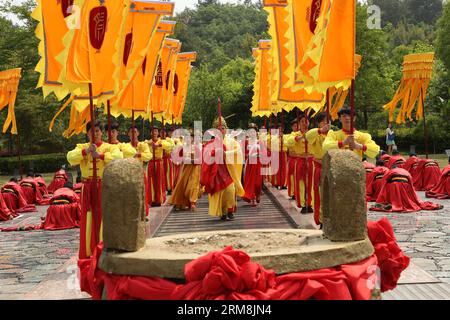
(374, 182)
(385, 158)
(253, 179)
(77, 189)
(42, 187)
(215, 176)
(59, 180)
(430, 174)
(64, 211)
(397, 161)
(5, 212)
(32, 192)
(368, 167)
(409, 163)
(442, 189)
(15, 199)
(398, 194)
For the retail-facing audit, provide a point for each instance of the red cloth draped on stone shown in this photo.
(398, 194)
(59, 180)
(391, 259)
(32, 192)
(214, 176)
(230, 274)
(64, 211)
(396, 161)
(430, 174)
(86, 203)
(374, 183)
(442, 189)
(15, 199)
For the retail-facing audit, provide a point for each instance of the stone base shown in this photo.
(284, 251)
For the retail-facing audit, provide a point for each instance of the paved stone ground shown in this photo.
(42, 264)
(424, 237)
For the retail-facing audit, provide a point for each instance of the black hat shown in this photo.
(344, 110)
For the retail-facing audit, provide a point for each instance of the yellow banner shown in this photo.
(329, 57)
(9, 84)
(417, 72)
(285, 95)
(141, 25)
(136, 94)
(181, 84)
(163, 78)
(54, 20)
(90, 54)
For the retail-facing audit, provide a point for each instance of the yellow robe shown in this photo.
(224, 201)
(334, 137)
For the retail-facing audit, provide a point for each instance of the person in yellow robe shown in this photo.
(302, 165)
(91, 214)
(168, 164)
(138, 150)
(156, 174)
(187, 190)
(359, 142)
(221, 173)
(290, 162)
(315, 138)
(124, 147)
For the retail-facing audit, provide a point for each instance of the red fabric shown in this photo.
(168, 171)
(230, 274)
(303, 172)
(397, 161)
(400, 195)
(409, 163)
(430, 174)
(214, 176)
(5, 212)
(32, 193)
(86, 205)
(91, 278)
(391, 259)
(63, 216)
(156, 181)
(42, 187)
(317, 176)
(385, 158)
(77, 189)
(290, 173)
(279, 179)
(442, 189)
(15, 200)
(253, 181)
(368, 167)
(374, 183)
(59, 180)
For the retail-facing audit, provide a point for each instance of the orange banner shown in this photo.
(9, 84)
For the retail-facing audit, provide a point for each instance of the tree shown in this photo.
(443, 39)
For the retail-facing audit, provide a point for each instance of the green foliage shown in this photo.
(443, 39)
(41, 163)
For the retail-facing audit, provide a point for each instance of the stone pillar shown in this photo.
(343, 187)
(123, 205)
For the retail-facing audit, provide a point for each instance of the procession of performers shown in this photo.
(179, 170)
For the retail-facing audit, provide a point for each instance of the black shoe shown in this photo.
(169, 192)
(293, 198)
(230, 216)
(224, 217)
(320, 226)
(310, 210)
(303, 211)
